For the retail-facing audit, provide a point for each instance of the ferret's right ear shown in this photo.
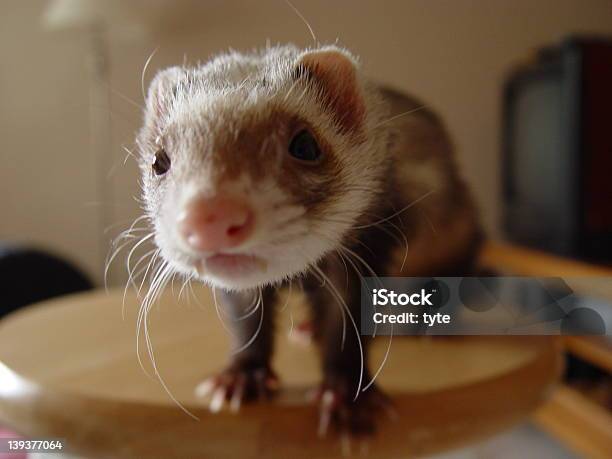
(162, 91)
(333, 71)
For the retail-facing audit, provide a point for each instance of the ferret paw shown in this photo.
(302, 334)
(237, 384)
(353, 419)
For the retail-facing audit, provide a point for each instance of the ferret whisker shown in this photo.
(195, 297)
(159, 288)
(144, 71)
(125, 290)
(152, 296)
(363, 262)
(400, 115)
(187, 295)
(152, 285)
(124, 97)
(117, 249)
(256, 334)
(131, 277)
(135, 277)
(429, 222)
(301, 96)
(129, 154)
(291, 88)
(144, 277)
(132, 274)
(287, 301)
(402, 234)
(403, 242)
(379, 225)
(187, 279)
(114, 225)
(126, 236)
(291, 322)
(332, 289)
(172, 286)
(343, 339)
(288, 295)
(218, 310)
(129, 268)
(132, 227)
(251, 309)
(380, 367)
(141, 315)
(348, 235)
(412, 204)
(345, 270)
(382, 364)
(361, 243)
(301, 16)
(349, 222)
(374, 334)
(132, 234)
(138, 244)
(110, 259)
(373, 273)
(342, 313)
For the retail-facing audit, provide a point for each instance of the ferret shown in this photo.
(288, 166)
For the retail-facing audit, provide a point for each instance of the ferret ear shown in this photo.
(334, 72)
(162, 91)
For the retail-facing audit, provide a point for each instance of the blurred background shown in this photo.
(70, 89)
(523, 86)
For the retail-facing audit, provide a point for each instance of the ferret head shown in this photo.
(254, 166)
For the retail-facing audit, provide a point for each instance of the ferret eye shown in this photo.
(162, 162)
(304, 147)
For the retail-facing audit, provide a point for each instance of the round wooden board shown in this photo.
(69, 369)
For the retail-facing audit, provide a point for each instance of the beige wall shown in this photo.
(453, 54)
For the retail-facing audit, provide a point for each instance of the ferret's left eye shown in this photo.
(162, 162)
(304, 147)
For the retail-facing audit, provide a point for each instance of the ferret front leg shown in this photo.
(249, 317)
(343, 402)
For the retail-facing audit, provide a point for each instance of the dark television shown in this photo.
(557, 141)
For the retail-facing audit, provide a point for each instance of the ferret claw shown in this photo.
(302, 334)
(238, 394)
(347, 442)
(326, 410)
(235, 385)
(203, 389)
(352, 418)
(364, 448)
(217, 400)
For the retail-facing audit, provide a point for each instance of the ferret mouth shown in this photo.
(230, 265)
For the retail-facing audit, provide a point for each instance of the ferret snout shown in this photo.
(215, 223)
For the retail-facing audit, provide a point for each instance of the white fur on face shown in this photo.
(283, 239)
(217, 98)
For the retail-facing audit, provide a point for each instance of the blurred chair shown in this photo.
(30, 275)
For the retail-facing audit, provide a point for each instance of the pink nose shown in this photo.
(211, 224)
